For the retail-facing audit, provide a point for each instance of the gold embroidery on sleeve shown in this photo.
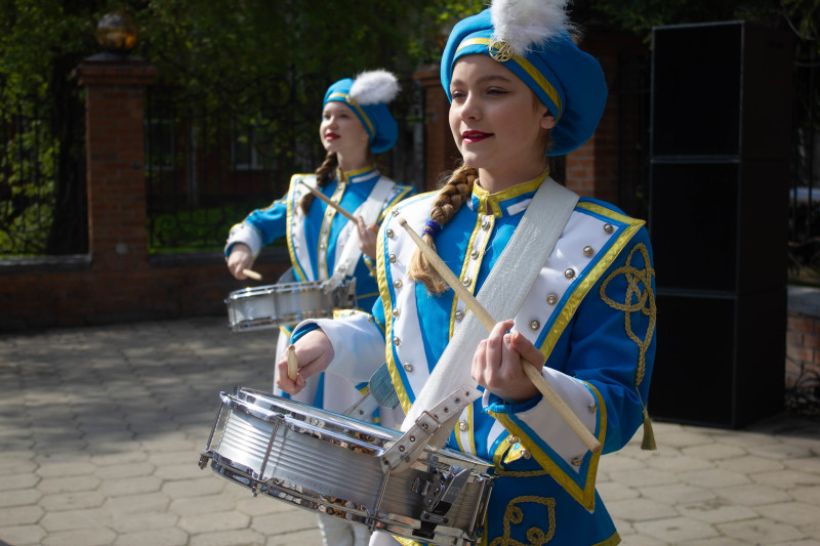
(514, 515)
(639, 298)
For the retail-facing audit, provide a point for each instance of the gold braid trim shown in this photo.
(514, 515)
(639, 298)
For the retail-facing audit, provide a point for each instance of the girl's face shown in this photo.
(497, 122)
(341, 131)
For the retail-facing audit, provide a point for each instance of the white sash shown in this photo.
(521, 261)
(347, 244)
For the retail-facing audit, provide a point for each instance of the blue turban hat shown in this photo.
(368, 96)
(532, 39)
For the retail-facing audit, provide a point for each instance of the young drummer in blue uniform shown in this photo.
(356, 125)
(519, 87)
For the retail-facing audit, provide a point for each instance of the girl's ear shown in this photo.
(547, 120)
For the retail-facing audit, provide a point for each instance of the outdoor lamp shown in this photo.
(117, 33)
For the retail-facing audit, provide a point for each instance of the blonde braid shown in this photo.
(324, 174)
(450, 198)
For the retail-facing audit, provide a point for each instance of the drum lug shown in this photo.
(439, 493)
(203, 460)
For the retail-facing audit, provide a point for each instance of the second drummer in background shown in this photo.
(356, 125)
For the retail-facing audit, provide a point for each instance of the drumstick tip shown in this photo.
(250, 273)
(293, 363)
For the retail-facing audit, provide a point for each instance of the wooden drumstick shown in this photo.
(534, 375)
(330, 203)
(250, 273)
(293, 363)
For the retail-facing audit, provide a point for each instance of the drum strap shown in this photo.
(523, 257)
(348, 251)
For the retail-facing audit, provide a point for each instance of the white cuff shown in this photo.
(358, 345)
(554, 431)
(246, 234)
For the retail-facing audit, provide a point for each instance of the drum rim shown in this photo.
(263, 290)
(383, 434)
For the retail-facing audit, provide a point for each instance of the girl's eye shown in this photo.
(456, 94)
(496, 91)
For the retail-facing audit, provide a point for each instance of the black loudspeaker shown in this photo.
(720, 129)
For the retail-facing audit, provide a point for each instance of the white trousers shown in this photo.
(339, 532)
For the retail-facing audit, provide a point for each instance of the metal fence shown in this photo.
(42, 182)
(207, 168)
(804, 217)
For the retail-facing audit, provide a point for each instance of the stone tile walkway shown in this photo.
(101, 428)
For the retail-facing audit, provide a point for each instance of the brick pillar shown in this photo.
(115, 104)
(592, 169)
(440, 152)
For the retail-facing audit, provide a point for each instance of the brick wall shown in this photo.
(117, 280)
(803, 338)
(802, 346)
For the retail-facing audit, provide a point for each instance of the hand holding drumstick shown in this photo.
(240, 262)
(532, 372)
(367, 234)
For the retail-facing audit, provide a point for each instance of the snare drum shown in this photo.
(283, 304)
(333, 464)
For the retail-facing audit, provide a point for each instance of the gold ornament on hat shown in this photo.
(500, 50)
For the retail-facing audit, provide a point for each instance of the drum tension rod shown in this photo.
(440, 492)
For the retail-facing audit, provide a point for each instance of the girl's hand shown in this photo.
(240, 259)
(314, 353)
(367, 237)
(497, 363)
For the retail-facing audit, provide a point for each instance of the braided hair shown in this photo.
(324, 174)
(451, 197)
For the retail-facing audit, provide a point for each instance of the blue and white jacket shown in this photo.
(591, 312)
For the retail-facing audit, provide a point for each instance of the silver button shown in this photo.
(608, 228)
(392, 258)
(592, 407)
(397, 284)
(534, 325)
(396, 341)
(389, 233)
(569, 273)
(552, 299)
(322, 246)
(513, 439)
(475, 254)
(466, 281)
(408, 367)
(485, 225)
(576, 461)
(459, 315)
(588, 251)
(396, 312)
(463, 426)
(395, 212)
(525, 454)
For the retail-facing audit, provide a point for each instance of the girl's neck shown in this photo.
(353, 162)
(495, 181)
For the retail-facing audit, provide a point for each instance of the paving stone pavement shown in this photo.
(101, 429)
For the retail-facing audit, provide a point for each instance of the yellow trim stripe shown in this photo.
(513, 191)
(291, 203)
(464, 268)
(398, 198)
(580, 292)
(347, 99)
(384, 291)
(584, 496)
(527, 67)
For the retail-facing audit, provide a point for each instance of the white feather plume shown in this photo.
(524, 23)
(374, 87)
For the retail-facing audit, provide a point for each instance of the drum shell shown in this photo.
(309, 457)
(285, 304)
